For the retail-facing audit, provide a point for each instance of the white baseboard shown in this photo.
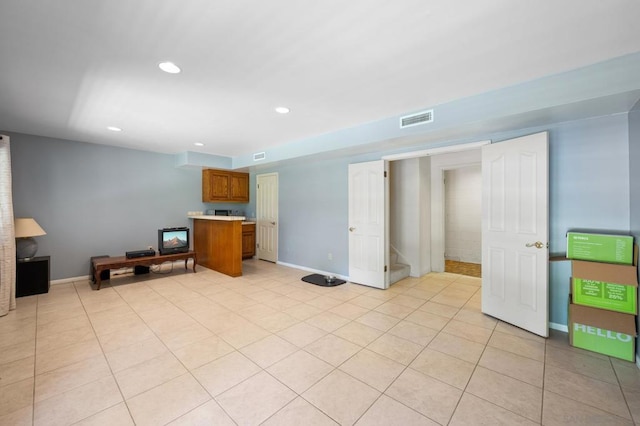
(316, 271)
(559, 327)
(71, 279)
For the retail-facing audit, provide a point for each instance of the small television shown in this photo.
(173, 240)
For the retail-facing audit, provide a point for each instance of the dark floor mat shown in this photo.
(318, 279)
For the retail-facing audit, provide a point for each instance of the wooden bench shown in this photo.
(103, 263)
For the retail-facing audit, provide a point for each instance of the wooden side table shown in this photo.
(32, 276)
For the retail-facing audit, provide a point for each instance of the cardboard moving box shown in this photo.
(606, 285)
(606, 332)
(600, 247)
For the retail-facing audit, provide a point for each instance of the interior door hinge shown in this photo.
(385, 173)
(385, 268)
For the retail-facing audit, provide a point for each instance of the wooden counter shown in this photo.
(219, 244)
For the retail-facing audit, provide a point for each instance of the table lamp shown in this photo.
(26, 229)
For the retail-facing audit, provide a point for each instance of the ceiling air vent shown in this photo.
(259, 156)
(416, 119)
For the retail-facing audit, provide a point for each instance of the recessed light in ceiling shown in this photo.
(282, 110)
(198, 144)
(169, 67)
(114, 128)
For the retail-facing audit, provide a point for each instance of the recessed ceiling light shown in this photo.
(282, 110)
(198, 144)
(114, 128)
(169, 67)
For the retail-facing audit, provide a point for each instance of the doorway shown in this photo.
(267, 217)
(463, 220)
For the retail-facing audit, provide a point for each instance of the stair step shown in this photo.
(398, 271)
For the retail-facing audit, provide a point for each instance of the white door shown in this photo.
(267, 217)
(515, 232)
(368, 223)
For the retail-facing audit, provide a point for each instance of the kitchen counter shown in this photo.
(211, 217)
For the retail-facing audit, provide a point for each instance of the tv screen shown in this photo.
(173, 240)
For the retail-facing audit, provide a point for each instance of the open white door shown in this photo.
(368, 223)
(267, 217)
(515, 232)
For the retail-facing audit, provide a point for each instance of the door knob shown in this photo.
(537, 244)
(273, 223)
(351, 229)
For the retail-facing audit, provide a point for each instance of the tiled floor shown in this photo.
(267, 348)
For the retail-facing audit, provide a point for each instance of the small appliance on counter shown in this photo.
(228, 212)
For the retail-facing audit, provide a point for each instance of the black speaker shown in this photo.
(140, 269)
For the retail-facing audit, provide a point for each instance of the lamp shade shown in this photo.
(27, 227)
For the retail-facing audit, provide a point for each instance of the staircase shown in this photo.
(398, 271)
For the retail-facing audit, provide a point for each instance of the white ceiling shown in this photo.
(69, 69)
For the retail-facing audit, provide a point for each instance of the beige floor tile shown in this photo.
(282, 303)
(468, 331)
(226, 372)
(244, 335)
(632, 397)
(120, 339)
(456, 301)
(443, 367)
(16, 371)
(473, 410)
(268, 351)
(17, 351)
(63, 325)
(628, 374)
(327, 321)
(586, 365)
(209, 413)
(341, 397)
(116, 415)
(257, 311)
(408, 301)
(357, 333)
(168, 401)
(394, 310)
(302, 311)
(560, 411)
(277, 322)
(395, 348)
(301, 334)
(299, 412)
(378, 320)
(17, 336)
(427, 319)
(52, 360)
(65, 409)
(302, 295)
(349, 310)
(256, 399)
(324, 302)
(430, 397)
(55, 341)
(300, 370)
(506, 392)
(375, 370)
(512, 365)
(333, 349)
(151, 373)
(71, 376)
(503, 327)
(202, 352)
(16, 396)
(458, 347)
(386, 411)
(518, 345)
(136, 353)
(598, 394)
(413, 332)
(184, 336)
(476, 318)
(21, 417)
(366, 302)
(439, 309)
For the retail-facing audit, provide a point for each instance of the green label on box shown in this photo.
(600, 248)
(603, 341)
(614, 297)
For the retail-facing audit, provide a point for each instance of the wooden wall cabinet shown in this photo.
(224, 186)
(248, 240)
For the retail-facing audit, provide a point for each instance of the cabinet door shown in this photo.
(215, 185)
(248, 241)
(239, 187)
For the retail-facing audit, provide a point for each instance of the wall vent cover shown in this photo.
(259, 156)
(416, 119)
